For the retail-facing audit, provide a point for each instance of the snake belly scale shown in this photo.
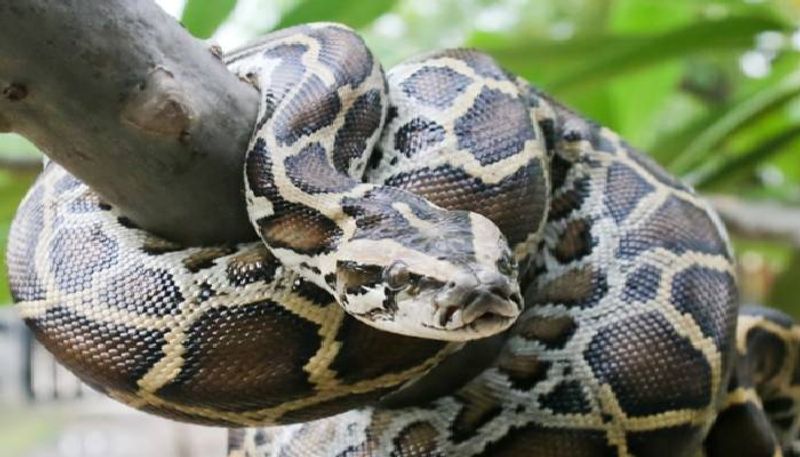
(400, 217)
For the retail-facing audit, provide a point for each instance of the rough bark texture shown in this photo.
(117, 92)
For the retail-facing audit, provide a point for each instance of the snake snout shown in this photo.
(478, 300)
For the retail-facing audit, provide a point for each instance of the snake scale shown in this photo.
(451, 264)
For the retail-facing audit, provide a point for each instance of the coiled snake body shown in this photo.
(364, 287)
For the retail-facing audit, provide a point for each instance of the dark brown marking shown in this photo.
(554, 332)
(742, 420)
(360, 123)
(418, 438)
(568, 397)
(310, 171)
(154, 245)
(417, 135)
(303, 230)
(581, 286)
(712, 299)
(625, 188)
(575, 242)
(205, 257)
(345, 53)
(516, 204)
(568, 200)
(497, 126)
(244, 358)
(110, 355)
(390, 353)
(252, 265)
(677, 226)
(766, 353)
(649, 366)
(313, 106)
(523, 370)
(682, 440)
(435, 86)
(642, 284)
(544, 441)
(480, 404)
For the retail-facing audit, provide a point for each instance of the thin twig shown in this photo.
(759, 219)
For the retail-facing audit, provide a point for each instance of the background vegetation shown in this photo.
(710, 88)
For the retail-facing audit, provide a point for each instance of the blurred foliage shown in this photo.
(710, 88)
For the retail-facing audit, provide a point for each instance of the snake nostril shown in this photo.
(502, 291)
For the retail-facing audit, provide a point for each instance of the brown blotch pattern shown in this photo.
(550, 442)
(575, 242)
(252, 265)
(232, 360)
(523, 370)
(480, 404)
(649, 366)
(581, 286)
(435, 86)
(417, 439)
(553, 331)
(114, 356)
(389, 353)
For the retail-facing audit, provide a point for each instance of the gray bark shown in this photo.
(118, 93)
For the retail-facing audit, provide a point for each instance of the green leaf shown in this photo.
(741, 114)
(744, 162)
(733, 33)
(584, 62)
(203, 17)
(354, 13)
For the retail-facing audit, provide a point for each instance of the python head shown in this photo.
(415, 269)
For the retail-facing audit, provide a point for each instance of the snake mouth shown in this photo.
(485, 312)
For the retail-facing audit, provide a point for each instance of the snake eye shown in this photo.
(397, 276)
(505, 265)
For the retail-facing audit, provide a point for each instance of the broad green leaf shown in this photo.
(733, 33)
(636, 16)
(583, 62)
(639, 100)
(734, 118)
(349, 12)
(745, 162)
(203, 17)
(702, 117)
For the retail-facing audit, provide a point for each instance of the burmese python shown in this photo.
(624, 345)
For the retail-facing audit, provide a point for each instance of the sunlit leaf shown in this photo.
(586, 61)
(203, 17)
(735, 117)
(353, 13)
(745, 161)
(731, 33)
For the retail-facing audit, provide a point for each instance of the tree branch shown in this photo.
(760, 220)
(118, 93)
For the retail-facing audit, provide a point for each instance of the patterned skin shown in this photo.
(624, 347)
